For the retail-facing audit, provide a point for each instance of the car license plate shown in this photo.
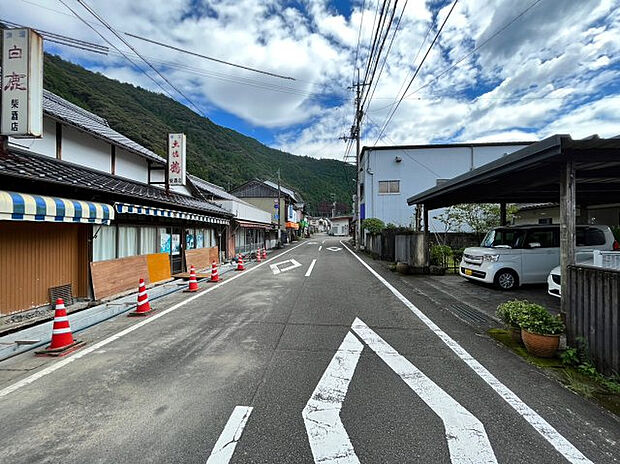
(468, 272)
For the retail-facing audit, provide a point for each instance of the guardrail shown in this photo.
(594, 304)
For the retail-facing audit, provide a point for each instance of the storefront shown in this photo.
(44, 248)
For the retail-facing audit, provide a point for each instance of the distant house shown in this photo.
(341, 226)
(264, 195)
(391, 174)
(549, 213)
(251, 227)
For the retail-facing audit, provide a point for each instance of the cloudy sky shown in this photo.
(489, 76)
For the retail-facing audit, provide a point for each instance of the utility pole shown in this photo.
(355, 133)
(279, 212)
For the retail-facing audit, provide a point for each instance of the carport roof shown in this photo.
(532, 174)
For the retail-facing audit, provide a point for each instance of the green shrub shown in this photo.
(616, 232)
(373, 225)
(536, 319)
(391, 225)
(457, 254)
(510, 312)
(440, 255)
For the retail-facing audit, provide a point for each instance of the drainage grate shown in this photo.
(62, 291)
(470, 315)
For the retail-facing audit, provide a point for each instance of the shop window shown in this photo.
(200, 238)
(127, 241)
(148, 240)
(164, 240)
(190, 239)
(104, 243)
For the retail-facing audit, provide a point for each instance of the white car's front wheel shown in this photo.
(506, 279)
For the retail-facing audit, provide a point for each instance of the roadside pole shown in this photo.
(279, 244)
(358, 118)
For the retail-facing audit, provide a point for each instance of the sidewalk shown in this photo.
(22, 332)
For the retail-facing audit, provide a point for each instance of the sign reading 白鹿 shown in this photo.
(176, 159)
(22, 83)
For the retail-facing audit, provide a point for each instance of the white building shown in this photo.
(340, 226)
(391, 174)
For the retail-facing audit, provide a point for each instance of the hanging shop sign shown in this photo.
(176, 159)
(22, 83)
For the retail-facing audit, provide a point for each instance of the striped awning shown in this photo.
(126, 208)
(27, 207)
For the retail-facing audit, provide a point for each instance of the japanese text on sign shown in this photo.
(176, 159)
(22, 83)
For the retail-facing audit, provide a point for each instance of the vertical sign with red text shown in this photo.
(176, 159)
(22, 83)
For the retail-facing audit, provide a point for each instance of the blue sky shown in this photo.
(554, 69)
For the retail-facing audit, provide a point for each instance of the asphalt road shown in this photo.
(293, 366)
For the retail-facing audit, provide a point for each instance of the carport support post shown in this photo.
(502, 214)
(426, 238)
(567, 228)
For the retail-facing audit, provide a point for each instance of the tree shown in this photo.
(477, 217)
(374, 226)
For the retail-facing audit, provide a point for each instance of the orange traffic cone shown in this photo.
(240, 264)
(193, 283)
(144, 307)
(258, 255)
(215, 277)
(62, 340)
(264, 253)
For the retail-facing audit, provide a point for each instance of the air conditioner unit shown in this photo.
(607, 259)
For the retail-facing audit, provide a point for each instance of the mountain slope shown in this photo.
(215, 153)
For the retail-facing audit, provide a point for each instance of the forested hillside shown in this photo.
(215, 153)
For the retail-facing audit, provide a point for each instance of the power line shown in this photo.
(386, 57)
(380, 50)
(359, 36)
(188, 52)
(107, 26)
(389, 119)
(374, 36)
(115, 48)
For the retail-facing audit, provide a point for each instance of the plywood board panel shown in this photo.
(201, 258)
(159, 266)
(118, 275)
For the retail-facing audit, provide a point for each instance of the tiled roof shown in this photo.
(287, 191)
(73, 115)
(213, 189)
(50, 170)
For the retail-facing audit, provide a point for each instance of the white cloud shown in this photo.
(554, 70)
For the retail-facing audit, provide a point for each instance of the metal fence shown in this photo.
(594, 303)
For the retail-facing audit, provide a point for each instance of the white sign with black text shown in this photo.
(22, 83)
(176, 159)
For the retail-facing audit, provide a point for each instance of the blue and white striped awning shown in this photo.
(126, 208)
(27, 207)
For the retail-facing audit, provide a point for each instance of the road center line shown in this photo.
(227, 442)
(309, 271)
(84, 351)
(561, 444)
(320, 247)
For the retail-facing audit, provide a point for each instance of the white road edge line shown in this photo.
(309, 271)
(89, 349)
(561, 444)
(227, 442)
(466, 437)
(329, 441)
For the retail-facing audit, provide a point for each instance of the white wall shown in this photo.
(46, 145)
(244, 211)
(158, 175)
(131, 166)
(86, 150)
(417, 171)
(340, 227)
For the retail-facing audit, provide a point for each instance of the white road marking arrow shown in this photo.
(467, 440)
(328, 438)
(333, 248)
(225, 446)
(276, 269)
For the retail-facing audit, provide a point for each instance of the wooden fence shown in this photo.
(594, 303)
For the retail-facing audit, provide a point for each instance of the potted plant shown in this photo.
(540, 330)
(509, 313)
